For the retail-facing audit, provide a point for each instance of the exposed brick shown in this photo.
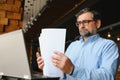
(3, 21)
(18, 3)
(11, 28)
(2, 14)
(11, 15)
(1, 29)
(20, 24)
(13, 22)
(9, 7)
(10, 1)
(2, 1)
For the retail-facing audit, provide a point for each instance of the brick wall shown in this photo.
(10, 15)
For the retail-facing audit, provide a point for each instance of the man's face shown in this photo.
(86, 25)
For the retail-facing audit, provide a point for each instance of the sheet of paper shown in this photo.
(51, 39)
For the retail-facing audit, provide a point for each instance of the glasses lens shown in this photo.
(78, 23)
(84, 22)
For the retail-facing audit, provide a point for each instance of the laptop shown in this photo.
(14, 59)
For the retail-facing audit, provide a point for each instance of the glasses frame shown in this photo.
(84, 22)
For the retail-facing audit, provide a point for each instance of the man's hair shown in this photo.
(96, 15)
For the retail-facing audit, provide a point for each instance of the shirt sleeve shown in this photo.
(107, 69)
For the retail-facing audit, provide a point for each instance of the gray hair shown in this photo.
(95, 15)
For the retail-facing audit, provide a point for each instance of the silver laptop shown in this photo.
(13, 57)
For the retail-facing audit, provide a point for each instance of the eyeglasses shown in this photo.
(84, 22)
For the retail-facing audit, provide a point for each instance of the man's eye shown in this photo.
(86, 21)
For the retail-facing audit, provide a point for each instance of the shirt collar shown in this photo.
(91, 38)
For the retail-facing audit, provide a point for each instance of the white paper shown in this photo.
(51, 39)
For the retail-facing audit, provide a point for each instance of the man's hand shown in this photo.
(62, 62)
(40, 61)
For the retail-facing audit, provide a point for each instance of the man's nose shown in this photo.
(81, 25)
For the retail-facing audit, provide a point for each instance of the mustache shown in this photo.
(83, 29)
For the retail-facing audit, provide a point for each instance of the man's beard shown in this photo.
(85, 33)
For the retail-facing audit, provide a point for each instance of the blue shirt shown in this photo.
(94, 59)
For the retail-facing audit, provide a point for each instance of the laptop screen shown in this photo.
(13, 56)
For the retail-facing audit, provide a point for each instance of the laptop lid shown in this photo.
(13, 55)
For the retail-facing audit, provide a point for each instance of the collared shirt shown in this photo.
(94, 59)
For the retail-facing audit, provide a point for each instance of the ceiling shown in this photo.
(60, 14)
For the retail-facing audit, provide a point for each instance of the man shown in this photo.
(89, 58)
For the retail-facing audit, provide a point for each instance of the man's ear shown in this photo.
(98, 24)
